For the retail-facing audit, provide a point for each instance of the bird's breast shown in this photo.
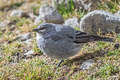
(59, 49)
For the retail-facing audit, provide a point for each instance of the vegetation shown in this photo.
(15, 66)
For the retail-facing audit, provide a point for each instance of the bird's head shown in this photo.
(44, 28)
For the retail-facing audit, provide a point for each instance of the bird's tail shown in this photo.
(98, 38)
(91, 38)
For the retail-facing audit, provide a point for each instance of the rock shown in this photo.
(18, 13)
(24, 37)
(118, 13)
(79, 4)
(28, 42)
(100, 20)
(37, 20)
(87, 64)
(32, 16)
(29, 53)
(50, 15)
(4, 23)
(73, 22)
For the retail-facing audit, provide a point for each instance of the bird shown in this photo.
(60, 42)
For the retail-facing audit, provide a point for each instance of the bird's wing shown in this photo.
(65, 32)
(78, 33)
(55, 37)
(81, 37)
(68, 33)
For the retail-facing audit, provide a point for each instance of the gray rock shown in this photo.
(29, 53)
(18, 13)
(37, 20)
(117, 13)
(79, 4)
(73, 22)
(4, 23)
(32, 16)
(24, 37)
(28, 42)
(100, 20)
(87, 64)
(50, 15)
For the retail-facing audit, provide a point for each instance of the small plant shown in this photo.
(35, 9)
(35, 47)
(107, 70)
(12, 48)
(110, 5)
(113, 52)
(1, 33)
(66, 8)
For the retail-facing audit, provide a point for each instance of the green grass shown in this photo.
(66, 9)
(12, 48)
(34, 69)
(105, 72)
(35, 9)
(69, 10)
(114, 52)
(111, 6)
(35, 47)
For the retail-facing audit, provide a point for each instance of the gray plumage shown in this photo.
(60, 42)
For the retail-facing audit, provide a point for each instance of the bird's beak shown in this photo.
(35, 30)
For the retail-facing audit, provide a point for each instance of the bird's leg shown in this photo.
(60, 62)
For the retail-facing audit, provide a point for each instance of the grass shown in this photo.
(110, 5)
(12, 48)
(108, 70)
(69, 10)
(15, 66)
(28, 70)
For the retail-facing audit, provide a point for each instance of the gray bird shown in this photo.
(60, 42)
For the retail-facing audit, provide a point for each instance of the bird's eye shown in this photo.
(41, 28)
